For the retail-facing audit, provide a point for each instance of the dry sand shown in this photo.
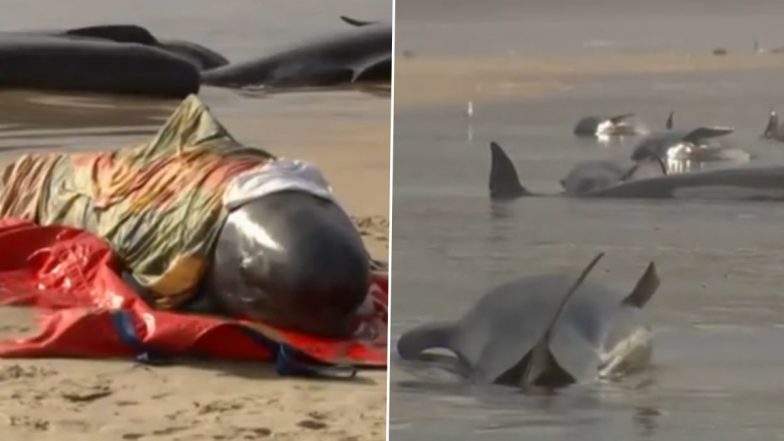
(65, 400)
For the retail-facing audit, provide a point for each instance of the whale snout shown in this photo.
(293, 260)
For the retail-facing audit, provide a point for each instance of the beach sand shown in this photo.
(109, 400)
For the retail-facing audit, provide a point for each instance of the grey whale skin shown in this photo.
(742, 183)
(538, 331)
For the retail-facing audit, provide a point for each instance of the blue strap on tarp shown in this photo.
(288, 360)
(126, 330)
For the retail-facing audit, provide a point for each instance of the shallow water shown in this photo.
(718, 315)
(328, 127)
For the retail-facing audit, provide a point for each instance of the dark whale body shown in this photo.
(47, 62)
(360, 54)
(290, 259)
(201, 56)
(743, 183)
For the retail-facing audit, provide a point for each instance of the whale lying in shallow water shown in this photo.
(743, 183)
(546, 331)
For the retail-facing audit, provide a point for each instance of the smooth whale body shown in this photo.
(745, 183)
(544, 331)
(617, 125)
(593, 175)
(200, 56)
(47, 62)
(360, 54)
(290, 259)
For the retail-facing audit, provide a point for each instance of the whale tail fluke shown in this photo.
(773, 125)
(504, 182)
(644, 289)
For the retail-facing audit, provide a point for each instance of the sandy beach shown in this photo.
(346, 133)
(54, 399)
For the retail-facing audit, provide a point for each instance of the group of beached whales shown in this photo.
(129, 59)
(304, 265)
(554, 330)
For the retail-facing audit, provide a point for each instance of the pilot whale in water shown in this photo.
(742, 183)
(547, 331)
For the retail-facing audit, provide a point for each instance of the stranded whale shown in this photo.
(545, 331)
(743, 183)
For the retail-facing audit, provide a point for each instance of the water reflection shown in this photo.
(40, 120)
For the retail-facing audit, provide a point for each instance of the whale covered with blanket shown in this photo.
(139, 239)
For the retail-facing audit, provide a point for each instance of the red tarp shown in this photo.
(71, 275)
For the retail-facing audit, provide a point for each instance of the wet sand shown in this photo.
(345, 132)
(531, 72)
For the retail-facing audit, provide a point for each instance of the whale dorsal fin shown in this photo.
(701, 133)
(504, 183)
(773, 125)
(644, 289)
(355, 22)
(118, 33)
(669, 123)
(618, 118)
(541, 358)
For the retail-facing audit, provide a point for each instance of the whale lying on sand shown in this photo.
(201, 56)
(85, 64)
(204, 223)
(360, 54)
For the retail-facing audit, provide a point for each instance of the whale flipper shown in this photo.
(504, 183)
(771, 131)
(355, 22)
(644, 289)
(118, 33)
(700, 133)
(629, 173)
(618, 118)
(542, 361)
(669, 123)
